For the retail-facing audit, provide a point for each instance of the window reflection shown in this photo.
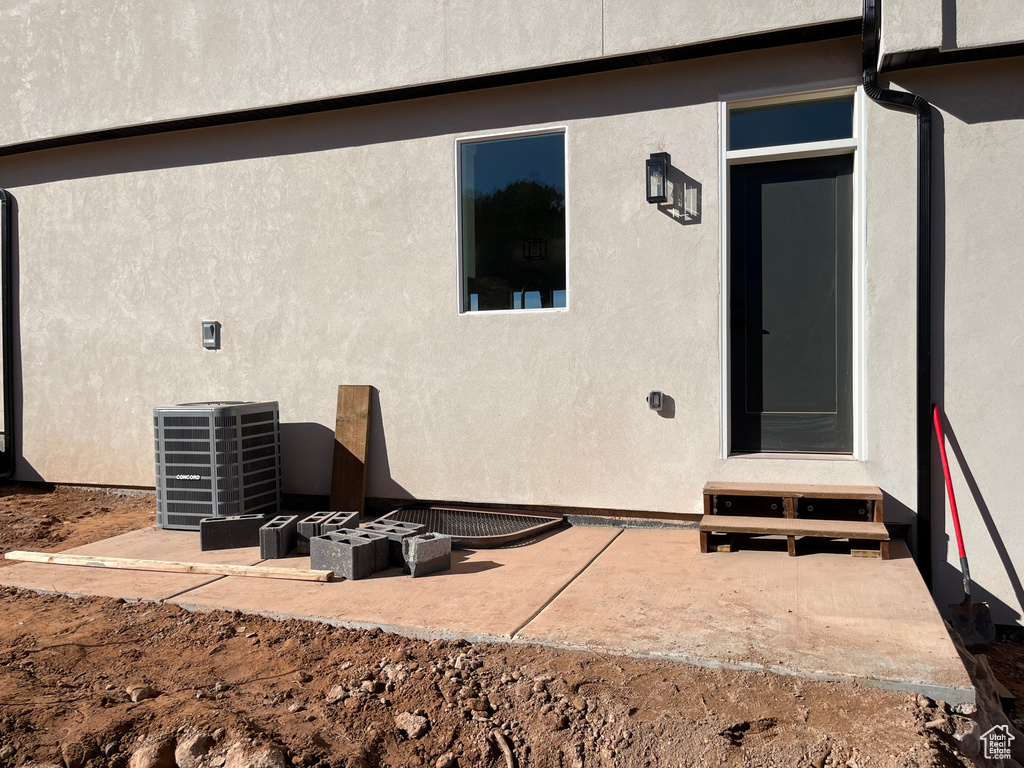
(795, 123)
(513, 223)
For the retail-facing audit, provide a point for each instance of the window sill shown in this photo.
(544, 311)
(794, 456)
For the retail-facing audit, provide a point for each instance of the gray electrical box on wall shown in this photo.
(211, 334)
(216, 459)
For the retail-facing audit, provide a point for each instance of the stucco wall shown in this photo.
(638, 25)
(979, 322)
(911, 25)
(326, 246)
(914, 25)
(68, 66)
(986, 22)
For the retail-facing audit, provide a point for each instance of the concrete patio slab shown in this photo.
(487, 594)
(144, 544)
(823, 616)
(160, 544)
(645, 592)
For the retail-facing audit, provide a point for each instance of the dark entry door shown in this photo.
(791, 306)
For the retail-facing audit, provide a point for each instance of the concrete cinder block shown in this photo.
(308, 528)
(278, 537)
(380, 546)
(396, 532)
(353, 557)
(230, 532)
(407, 526)
(339, 521)
(427, 553)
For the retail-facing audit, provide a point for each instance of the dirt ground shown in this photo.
(1006, 656)
(234, 690)
(52, 519)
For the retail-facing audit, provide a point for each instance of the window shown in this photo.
(795, 123)
(512, 223)
(792, 275)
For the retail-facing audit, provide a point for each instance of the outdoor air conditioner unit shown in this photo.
(215, 460)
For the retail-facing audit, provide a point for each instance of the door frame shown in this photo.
(727, 158)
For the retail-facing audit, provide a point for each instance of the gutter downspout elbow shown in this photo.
(870, 46)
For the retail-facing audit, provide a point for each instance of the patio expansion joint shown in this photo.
(564, 587)
(199, 586)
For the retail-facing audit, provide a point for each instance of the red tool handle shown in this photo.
(949, 482)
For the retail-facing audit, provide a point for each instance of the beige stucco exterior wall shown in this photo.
(911, 25)
(326, 247)
(987, 22)
(979, 365)
(916, 25)
(638, 25)
(69, 66)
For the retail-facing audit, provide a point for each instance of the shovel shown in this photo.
(972, 621)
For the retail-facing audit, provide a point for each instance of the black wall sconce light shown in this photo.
(657, 177)
(535, 249)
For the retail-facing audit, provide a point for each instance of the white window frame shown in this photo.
(727, 158)
(562, 129)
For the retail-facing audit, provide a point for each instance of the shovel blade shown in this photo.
(973, 622)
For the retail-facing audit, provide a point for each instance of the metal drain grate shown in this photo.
(475, 528)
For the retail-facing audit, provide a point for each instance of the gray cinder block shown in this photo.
(427, 553)
(353, 557)
(396, 532)
(230, 532)
(416, 528)
(278, 537)
(380, 547)
(308, 528)
(339, 521)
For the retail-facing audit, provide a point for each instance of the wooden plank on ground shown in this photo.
(130, 564)
(797, 491)
(833, 529)
(348, 475)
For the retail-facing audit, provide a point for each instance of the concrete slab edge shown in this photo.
(414, 633)
(951, 694)
(78, 595)
(948, 693)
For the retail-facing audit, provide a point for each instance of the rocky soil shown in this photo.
(93, 682)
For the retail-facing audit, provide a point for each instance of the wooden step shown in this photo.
(866, 492)
(830, 529)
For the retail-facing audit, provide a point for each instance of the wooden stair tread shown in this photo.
(794, 490)
(834, 529)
